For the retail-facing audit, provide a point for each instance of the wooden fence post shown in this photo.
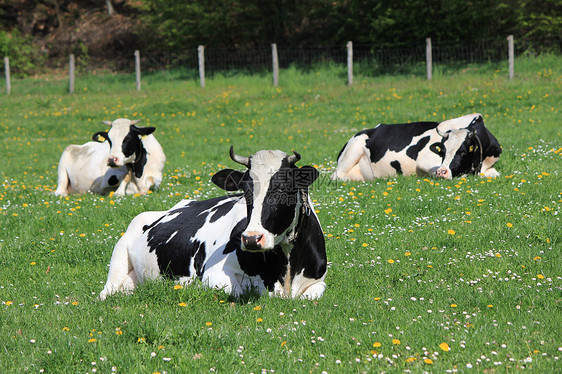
(201, 54)
(138, 69)
(275, 58)
(428, 58)
(350, 63)
(7, 71)
(511, 56)
(71, 71)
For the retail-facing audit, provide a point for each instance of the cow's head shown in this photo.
(460, 151)
(124, 139)
(274, 189)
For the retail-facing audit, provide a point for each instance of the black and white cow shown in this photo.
(266, 239)
(127, 159)
(448, 149)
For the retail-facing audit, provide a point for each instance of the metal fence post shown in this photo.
(71, 71)
(428, 58)
(511, 56)
(7, 71)
(201, 54)
(275, 59)
(350, 63)
(138, 69)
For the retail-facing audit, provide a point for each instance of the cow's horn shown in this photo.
(135, 121)
(441, 134)
(239, 159)
(108, 123)
(294, 158)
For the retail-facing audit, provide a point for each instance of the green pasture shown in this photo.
(424, 274)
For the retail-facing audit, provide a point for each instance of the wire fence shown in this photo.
(368, 60)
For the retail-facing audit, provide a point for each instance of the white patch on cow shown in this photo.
(452, 144)
(264, 164)
(457, 123)
(171, 237)
(488, 169)
(120, 128)
(354, 163)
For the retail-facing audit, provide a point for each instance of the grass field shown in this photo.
(424, 274)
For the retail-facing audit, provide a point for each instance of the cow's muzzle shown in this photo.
(253, 241)
(112, 161)
(444, 173)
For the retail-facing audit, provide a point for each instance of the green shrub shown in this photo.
(25, 57)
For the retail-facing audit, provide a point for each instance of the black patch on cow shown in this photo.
(309, 249)
(175, 253)
(235, 242)
(271, 265)
(278, 210)
(384, 138)
(414, 150)
(113, 180)
(396, 165)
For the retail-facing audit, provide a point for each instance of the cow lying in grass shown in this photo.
(127, 159)
(266, 239)
(448, 149)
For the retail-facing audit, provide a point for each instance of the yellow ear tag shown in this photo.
(471, 149)
(143, 137)
(438, 149)
(101, 139)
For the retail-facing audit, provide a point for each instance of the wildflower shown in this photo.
(428, 361)
(259, 320)
(376, 344)
(391, 261)
(208, 324)
(540, 276)
(509, 224)
(141, 340)
(445, 347)
(92, 340)
(395, 341)
(451, 232)
(182, 304)
(178, 287)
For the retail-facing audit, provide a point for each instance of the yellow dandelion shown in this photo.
(388, 211)
(445, 347)
(540, 276)
(490, 306)
(178, 287)
(92, 340)
(377, 344)
(428, 361)
(259, 320)
(9, 303)
(498, 255)
(283, 343)
(377, 298)
(509, 224)
(453, 305)
(451, 232)
(74, 303)
(32, 263)
(65, 328)
(537, 258)
(396, 341)
(365, 244)
(407, 254)
(257, 307)
(391, 261)
(208, 324)
(141, 340)
(410, 359)
(182, 304)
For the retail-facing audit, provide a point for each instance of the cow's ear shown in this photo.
(100, 137)
(142, 131)
(305, 176)
(228, 179)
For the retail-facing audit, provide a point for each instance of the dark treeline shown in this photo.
(106, 28)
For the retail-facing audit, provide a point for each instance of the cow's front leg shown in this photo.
(122, 190)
